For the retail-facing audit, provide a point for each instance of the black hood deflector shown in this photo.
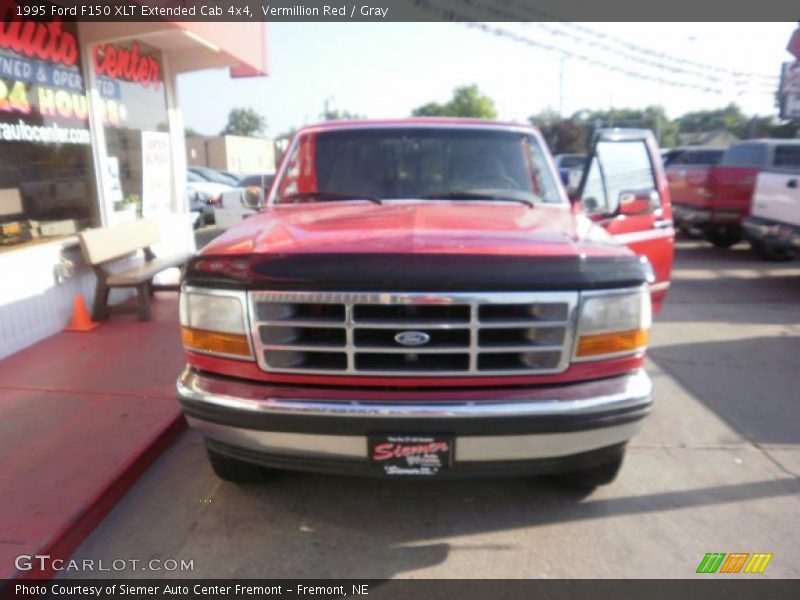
(415, 272)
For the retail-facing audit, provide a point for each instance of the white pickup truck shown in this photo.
(773, 226)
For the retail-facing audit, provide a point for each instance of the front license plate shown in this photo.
(411, 455)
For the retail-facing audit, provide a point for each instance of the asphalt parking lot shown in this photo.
(716, 469)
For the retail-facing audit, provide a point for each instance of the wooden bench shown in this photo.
(105, 245)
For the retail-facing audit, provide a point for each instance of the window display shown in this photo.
(46, 171)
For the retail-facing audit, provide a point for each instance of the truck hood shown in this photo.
(417, 227)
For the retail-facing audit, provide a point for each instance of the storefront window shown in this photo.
(131, 87)
(46, 169)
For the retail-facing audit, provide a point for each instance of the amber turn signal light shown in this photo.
(611, 343)
(214, 342)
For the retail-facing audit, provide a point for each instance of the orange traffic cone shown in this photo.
(81, 321)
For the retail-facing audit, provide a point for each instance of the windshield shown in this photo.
(745, 155)
(572, 161)
(424, 162)
(257, 180)
(213, 176)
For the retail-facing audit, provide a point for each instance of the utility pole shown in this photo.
(326, 106)
(561, 86)
(658, 129)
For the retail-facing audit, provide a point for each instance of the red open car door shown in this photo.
(624, 189)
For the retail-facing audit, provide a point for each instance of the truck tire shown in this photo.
(723, 238)
(590, 478)
(768, 252)
(237, 471)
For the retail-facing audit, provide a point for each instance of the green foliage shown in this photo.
(563, 136)
(286, 135)
(246, 122)
(730, 117)
(334, 114)
(467, 101)
(571, 134)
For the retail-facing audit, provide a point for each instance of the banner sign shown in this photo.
(790, 78)
(156, 173)
(790, 90)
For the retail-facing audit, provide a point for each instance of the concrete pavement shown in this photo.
(716, 469)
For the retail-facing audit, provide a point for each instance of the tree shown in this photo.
(730, 117)
(566, 137)
(246, 122)
(467, 101)
(652, 117)
(286, 135)
(334, 114)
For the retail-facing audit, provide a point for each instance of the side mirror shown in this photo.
(638, 202)
(251, 197)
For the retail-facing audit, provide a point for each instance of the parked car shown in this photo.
(231, 176)
(773, 228)
(419, 299)
(215, 176)
(204, 195)
(688, 173)
(243, 200)
(730, 189)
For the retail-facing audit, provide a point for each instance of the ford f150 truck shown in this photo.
(689, 176)
(419, 298)
(773, 228)
(729, 189)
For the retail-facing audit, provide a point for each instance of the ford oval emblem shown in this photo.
(412, 338)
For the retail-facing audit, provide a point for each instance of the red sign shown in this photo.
(43, 41)
(794, 44)
(129, 64)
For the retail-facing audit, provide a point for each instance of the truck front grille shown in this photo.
(412, 334)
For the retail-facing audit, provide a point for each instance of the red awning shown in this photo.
(245, 42)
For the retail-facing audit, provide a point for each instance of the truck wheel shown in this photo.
(723, 238)
(237, 471)
(592, 477)
(768, 252)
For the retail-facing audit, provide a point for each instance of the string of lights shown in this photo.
(716, 74)
(659, 68)
(667, 57)
(608, 41)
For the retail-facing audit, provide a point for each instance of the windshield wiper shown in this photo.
(329, 197)
(476, 196)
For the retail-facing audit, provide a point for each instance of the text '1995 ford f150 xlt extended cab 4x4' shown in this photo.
(420, 298)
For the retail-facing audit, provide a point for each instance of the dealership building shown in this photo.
(91, 136)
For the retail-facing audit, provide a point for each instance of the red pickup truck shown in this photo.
(419, 298)
(716, 199)
(689, 176)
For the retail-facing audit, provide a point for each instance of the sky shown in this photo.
(384, 70)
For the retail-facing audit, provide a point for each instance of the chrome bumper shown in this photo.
(776, 234)
(513, 425)
(690, 215)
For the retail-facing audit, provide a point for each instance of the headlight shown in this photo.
(215, 323)
(612, 324)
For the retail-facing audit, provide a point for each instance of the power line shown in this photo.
(506, 34)
(670, 58)
(609, 40)
(658, 63)
(467, 18)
